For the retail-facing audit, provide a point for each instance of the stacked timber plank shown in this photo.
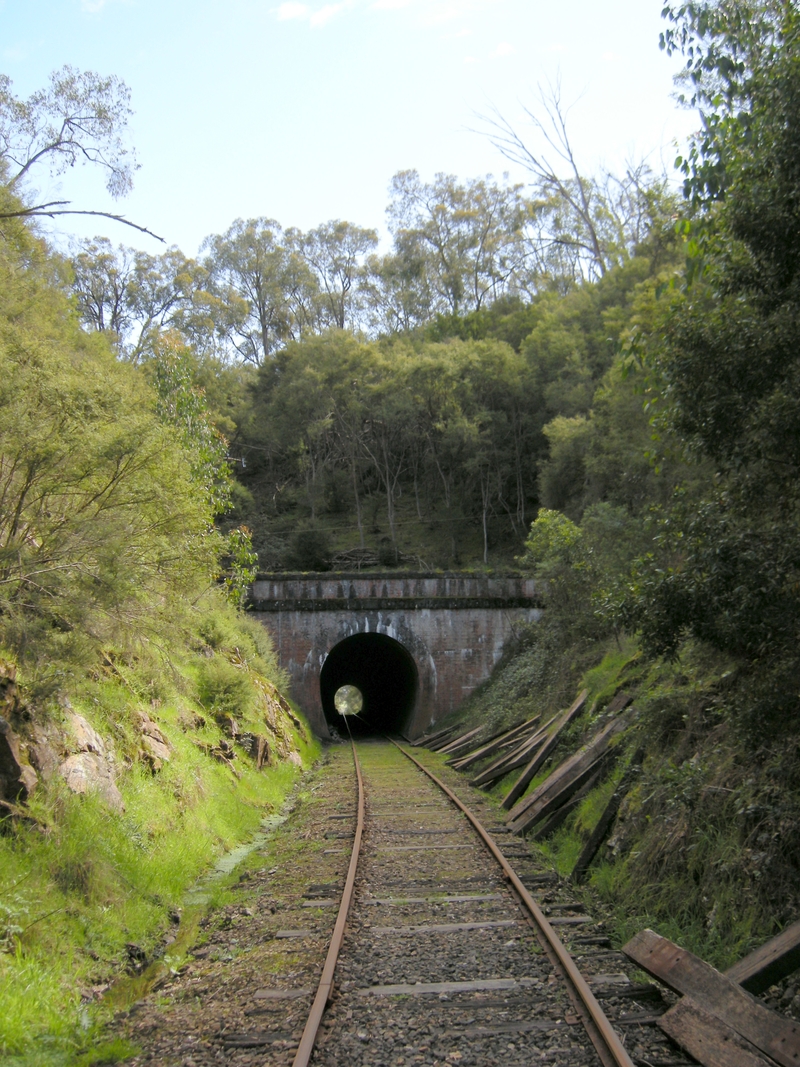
(716, 1020)
(581, 771)
(433, 740)
(529, 746)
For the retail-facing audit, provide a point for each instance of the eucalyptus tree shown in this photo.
(135, 296)
(80, 117)
(397, 292)
(257, 272)
(468, 236)
(581, 225)
(336, 253)
(101, 276)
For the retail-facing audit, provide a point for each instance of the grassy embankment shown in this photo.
(706, 845)
(88, 893)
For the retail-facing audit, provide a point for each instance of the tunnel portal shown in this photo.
(383, 671)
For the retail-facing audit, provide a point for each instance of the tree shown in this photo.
(727, 352)
(102, 518)
(336, 253)
(135, 296)
(81, 117)
(257, 273)
(581, 226)
(468, 237)
(101, 280)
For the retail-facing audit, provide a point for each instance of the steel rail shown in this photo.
(306, 1046)
(605, 1030)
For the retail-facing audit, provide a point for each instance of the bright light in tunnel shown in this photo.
(348, 700)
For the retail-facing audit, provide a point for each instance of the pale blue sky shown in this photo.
(303, 111)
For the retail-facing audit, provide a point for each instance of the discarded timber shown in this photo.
(427, 738)
(440, 742)
(559, 817)
(556, 799)
(463, 740)
(596, 838)
(709, 1040)
(776, 959)
(566, 772)
(544, 752)
(493, 745)
(467, 751)
(509, 761)
(618, 702)
(717, 995)
(606, 821)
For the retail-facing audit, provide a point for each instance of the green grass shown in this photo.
(78, 882)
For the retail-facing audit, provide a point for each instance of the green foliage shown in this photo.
(73, 897)
(101, 514)
(183, 406)
(725, 568)
(310, 550)
(81, 117)
(242, 565)
(223, 688)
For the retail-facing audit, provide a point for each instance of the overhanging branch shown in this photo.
(57, 207)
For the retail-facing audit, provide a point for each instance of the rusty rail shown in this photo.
(603, 1036)
(306, 1046)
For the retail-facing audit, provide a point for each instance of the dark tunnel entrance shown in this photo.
(386, 675)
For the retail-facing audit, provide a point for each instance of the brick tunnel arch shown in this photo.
(386, 674)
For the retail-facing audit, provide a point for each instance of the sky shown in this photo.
(303, 111)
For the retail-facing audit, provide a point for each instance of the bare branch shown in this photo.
(55, 207)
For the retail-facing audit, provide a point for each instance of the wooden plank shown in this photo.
(570, 768)
(544, 752)
(419, 989)
(596, 838)
(466, 754)
(431, 737)
(709, 1040)
(509, 761)
(463, 739)
(556, 798)
(619, 702)
(493, 744)
(606, 820)
(559, 817)
(440, 742)
(683, 972)
(444, 928)
(775, 960)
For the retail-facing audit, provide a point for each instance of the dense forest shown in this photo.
(407, 404)
(594, 378)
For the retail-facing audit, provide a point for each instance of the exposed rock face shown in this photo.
(43, 755)
(155, 747)
(86, 737)
(8, 688)
(257, 747)
(17, 778)
(87, 772)
(91, 769)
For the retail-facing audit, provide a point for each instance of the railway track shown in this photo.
(445, 957)
(449, 957)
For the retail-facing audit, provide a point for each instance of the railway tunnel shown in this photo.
(415, 645)
(384, 673)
